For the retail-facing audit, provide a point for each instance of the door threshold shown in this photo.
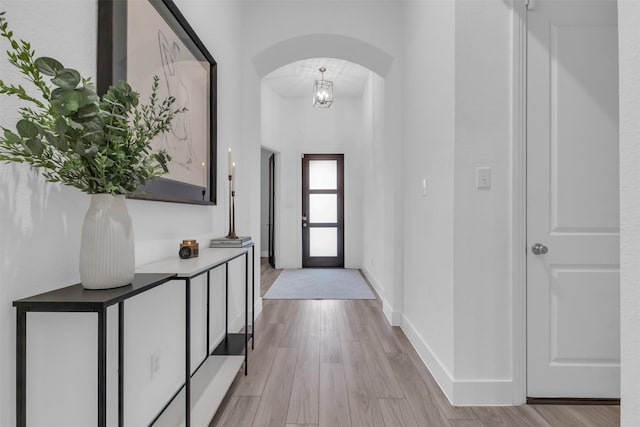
(570, 401)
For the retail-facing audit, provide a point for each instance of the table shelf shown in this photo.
(232, 345)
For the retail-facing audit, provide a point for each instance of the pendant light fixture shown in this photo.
(322, 91)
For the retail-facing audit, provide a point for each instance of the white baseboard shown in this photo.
(483, 392)
(257, 307)
(396, 318)
(264, 254)
(489, 392)
(393, 317)
(438, 370)
(388, 312)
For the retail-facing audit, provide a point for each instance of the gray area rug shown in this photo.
(320, 283)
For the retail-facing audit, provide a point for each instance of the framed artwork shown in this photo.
(139, 39)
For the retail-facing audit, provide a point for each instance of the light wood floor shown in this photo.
(339, 363)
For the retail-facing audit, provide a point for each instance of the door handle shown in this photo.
(539, 249)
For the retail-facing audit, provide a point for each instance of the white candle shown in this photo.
(229, 166)
(204, 174)
(233, 176)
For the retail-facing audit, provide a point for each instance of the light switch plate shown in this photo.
(483, 178)
(424, 187)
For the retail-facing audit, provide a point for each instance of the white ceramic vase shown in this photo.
(107, 258)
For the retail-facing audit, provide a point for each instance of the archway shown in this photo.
(323, 45)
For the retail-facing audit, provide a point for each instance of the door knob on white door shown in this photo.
(539, 249)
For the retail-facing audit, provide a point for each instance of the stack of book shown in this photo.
(223, 242)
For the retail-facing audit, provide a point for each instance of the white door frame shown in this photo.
(518, 251)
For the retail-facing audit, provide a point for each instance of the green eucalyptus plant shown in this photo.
(73, 136)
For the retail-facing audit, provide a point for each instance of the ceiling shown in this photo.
(296, 79)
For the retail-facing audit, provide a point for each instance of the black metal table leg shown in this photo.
(253, 300)
(187, 361)
(226, 300)
(21, 368)
(121, 364)
(102, 368)
(246, 312)
(206, 353)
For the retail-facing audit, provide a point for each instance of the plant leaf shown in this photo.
(67, 78)
(79, 148)
(26, 129)
(36, 146)
(65, 101)
(64, 146)
(93, 131)
(87, 111)
(90, 91)
(60, 107)
(93, 125)
(48, 66)
(12, 137)
(91, 151)
(61, 126)
(59, 142)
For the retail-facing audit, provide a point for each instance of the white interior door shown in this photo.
(573, 315)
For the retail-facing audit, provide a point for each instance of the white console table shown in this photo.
(228, 356)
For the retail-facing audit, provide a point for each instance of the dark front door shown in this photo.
(323, 210)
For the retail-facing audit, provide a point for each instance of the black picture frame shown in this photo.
(112, 67)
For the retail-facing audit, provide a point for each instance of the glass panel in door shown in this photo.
(323, 174)
(323, 242)
(323, 208)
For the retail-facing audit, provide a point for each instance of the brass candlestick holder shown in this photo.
(232, 211)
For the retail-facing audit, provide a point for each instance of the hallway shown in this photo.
(339, 363)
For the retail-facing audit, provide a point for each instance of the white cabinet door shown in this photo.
(573, 325)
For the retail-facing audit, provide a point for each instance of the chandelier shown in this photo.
(322, 92)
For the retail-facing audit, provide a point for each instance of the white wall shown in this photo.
(482, 229)
(429, 131)
(40, 228)
(303, 129)
(629, 51)
(270, 111)
(374, 166)
(457, 284)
